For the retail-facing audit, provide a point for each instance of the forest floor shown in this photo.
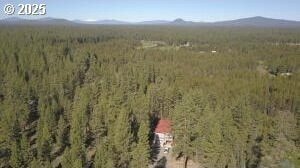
(168, 160)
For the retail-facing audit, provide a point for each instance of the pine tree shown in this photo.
(140, 154)
(185, 119)
(43, 140)
(16, 159)
(61, 136)
(25, 150)
(103, 157)
(78, 127)
(212, 145)
(34, 163)
(67, 161)
(121, 140)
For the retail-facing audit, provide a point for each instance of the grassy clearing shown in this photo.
(161, 45)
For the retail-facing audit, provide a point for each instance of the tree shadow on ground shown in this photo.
(161, 163)
(155, 146)
(155, 150)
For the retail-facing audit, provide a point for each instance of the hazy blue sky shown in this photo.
(139, 10)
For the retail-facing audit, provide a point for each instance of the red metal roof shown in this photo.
(163, 126)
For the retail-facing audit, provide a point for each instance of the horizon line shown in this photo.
(95, 20)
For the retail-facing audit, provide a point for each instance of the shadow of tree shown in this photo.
(161, 163)
(155, 150)
(155, 147)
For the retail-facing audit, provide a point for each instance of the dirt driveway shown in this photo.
(167, 160)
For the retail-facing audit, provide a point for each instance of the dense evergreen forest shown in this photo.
(89, 96)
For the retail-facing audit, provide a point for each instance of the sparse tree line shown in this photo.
(87, 97)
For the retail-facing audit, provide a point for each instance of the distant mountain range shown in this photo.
(102, 22)
(42, 21)
(245, 22)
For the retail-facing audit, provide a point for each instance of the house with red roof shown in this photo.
(163, 134)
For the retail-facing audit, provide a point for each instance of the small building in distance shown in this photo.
(163, 135)
(286, 74)
(187, 44)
